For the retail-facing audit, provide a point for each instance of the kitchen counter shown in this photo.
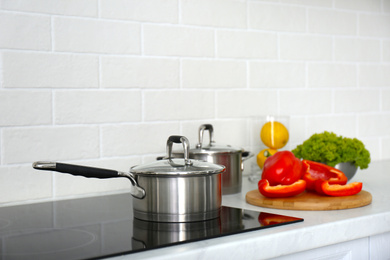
(360, 233)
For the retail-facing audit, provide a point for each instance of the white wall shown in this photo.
(105, 82)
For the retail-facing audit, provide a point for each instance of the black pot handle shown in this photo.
(246, 155)
(76, 170)
(90, 172)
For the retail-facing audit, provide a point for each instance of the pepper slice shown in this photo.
(281, 191)
(282, 168)
(314, 171)
(337, 190)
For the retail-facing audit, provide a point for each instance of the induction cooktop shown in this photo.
(104, 226)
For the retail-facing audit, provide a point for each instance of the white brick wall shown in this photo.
(49, 70)
(105, 82)
(96, 36)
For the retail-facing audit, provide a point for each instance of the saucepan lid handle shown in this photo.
(200, 134)
(186, 147)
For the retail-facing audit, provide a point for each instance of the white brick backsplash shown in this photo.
(385, 151)
(165, 11)
(319, 3)
(372, 144)
(126, 140)
(374, 124)
(218, 13)
(63, 7)
(24, 32)
(127, 72)
(173, 105)
(106, 82)
(347, 49)
(213, 74)
(297, 131)
(386, 50)
(332, 22)
(360, 5)
(374, 75)
(386, 6)
(340, 125)
(305, 102)
(374, 25)
(305, 47)
(250, 45)
(385, 101)
(277, 74)
(246, 103)
(46, 70)
(78, 35)
(277, 17)
(25, 107)
(29, 184)
(332, 75)
(79, 107)
(357, 100)
(178, 41)
(25, 145)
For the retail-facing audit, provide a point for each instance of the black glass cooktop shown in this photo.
(104, 226)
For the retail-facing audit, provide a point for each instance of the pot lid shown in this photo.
(172, 167)
(178, 166)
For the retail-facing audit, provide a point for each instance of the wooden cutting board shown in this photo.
(310, 201)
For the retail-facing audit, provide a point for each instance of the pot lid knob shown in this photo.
(186, 147)
(200, 134)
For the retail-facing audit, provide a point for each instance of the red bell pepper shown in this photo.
(281, 191)
(282, 168)
(314, 171)
(337, 190)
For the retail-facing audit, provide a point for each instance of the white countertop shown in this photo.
(320, 228)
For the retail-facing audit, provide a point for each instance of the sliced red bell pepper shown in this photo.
(282, 168)
(337, 190)
(281, 191)
(314, 171)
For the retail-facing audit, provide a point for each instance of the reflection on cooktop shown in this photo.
(104, 226)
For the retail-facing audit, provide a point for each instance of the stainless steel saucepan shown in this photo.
(169, 190)
(226, 155)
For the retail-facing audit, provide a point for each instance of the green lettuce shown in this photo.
(331, 149)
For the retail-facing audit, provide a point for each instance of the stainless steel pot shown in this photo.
(170, 190)
(226, 155)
